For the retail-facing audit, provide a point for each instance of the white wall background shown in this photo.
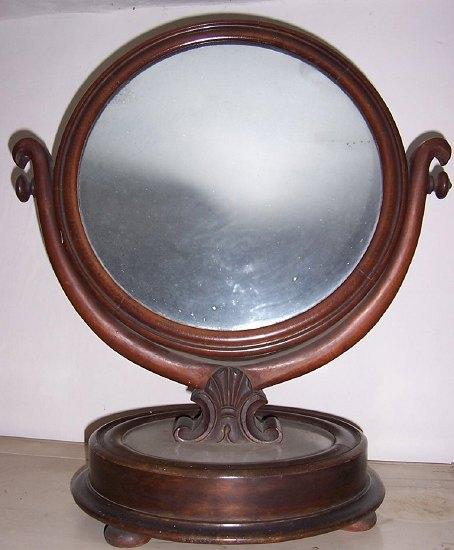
(56, 376)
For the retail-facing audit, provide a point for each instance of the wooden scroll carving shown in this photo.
(228, 407)
(78, 289)
(359, 321)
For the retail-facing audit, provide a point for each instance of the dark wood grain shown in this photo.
(228, 412)
(363, 524)
(124, 539)
(138, 495)
(266, 501)
(82, 293)
(246, 343)
(270, 354)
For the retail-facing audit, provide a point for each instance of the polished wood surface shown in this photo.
(124, 539)
(253, 499)
(279, 352)
(36, 505)
(306, 472)
(228, 407)
(237, 345)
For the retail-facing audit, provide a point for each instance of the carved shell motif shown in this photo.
(228, 407)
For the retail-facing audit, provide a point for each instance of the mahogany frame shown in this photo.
(238, 503)
(270, 354)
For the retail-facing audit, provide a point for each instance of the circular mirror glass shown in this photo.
(230, 187)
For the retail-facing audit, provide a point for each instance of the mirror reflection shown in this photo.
(230, 187)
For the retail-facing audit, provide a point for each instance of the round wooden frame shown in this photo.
(245, 343)
(269, 354)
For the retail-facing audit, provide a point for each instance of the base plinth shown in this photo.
(143, 484)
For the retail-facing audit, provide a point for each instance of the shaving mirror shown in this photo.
(245, 230)
(230, 208)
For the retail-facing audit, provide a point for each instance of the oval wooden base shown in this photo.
(143, 484)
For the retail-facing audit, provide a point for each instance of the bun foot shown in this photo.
(124, 539)
(363, 524)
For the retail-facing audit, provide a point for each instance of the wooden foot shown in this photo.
(124, 539)
(363, 524)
